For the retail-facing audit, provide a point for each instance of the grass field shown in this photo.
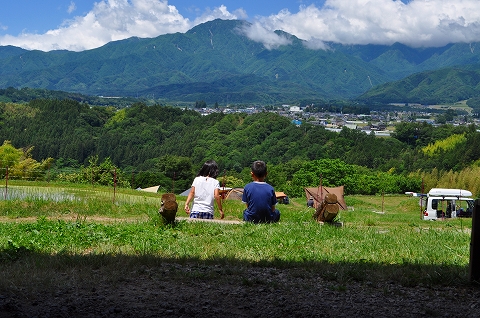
(380, 237)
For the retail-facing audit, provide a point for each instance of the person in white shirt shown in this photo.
(205, 190)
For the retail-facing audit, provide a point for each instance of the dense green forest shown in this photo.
(151, 145)
(446, 85)
(26, 94)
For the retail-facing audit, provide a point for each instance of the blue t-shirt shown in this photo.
(260, 197)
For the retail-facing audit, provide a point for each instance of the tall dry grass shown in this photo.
(468, 179)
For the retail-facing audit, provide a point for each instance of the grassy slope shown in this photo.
(381, 238)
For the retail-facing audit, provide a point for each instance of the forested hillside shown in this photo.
(159, 144)
(217, 62)
(27, 94)
(447, 85)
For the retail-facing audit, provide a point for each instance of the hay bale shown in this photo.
(330, 198)
(318, 215)
(169, 208)
(168, 197)
(328, 209)
(330, 212)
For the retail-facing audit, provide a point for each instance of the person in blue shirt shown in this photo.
(259, 197)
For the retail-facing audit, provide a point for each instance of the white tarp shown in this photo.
(151, 189)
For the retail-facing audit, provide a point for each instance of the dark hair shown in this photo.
(259, 168)
(209, 169)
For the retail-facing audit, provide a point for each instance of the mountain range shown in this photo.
(217, 62)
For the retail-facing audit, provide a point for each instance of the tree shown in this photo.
(9, 155)
(178, 169)
(21, 163)
(105, 173)
(200, 104)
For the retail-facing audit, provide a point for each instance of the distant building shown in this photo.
(296, 122)
(428, 121)
(351, 125)
(295, 109)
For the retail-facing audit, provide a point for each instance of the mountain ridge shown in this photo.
(216, 62)
(447, 85)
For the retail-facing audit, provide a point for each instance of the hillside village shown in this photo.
(381, 123)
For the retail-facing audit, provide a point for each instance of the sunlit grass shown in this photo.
(379, 236)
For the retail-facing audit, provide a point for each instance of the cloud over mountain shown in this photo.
(417, 23)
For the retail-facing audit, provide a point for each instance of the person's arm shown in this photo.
(244, 198)
(274, 201)
(219, 202)
(189, 198)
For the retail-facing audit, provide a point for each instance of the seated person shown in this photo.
(449, 209)
(260, 197)
(310, 202)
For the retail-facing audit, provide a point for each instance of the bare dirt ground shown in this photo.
(198, 290)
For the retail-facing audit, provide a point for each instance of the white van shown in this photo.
(446, 203)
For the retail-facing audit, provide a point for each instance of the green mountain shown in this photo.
(217, 62)
(446, 85)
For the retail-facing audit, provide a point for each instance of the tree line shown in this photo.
(151, 145)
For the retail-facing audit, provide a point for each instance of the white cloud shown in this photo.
(316, 44)
(269, 39)
(72, 7)
(112, 20)
(221, 13)
(109, 20)
(416, 23)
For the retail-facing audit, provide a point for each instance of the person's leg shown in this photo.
(193, 215)
(275, 216)
(205, 215)
(247, 217)
(201, 215)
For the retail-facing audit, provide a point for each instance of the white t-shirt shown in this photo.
(204, 194)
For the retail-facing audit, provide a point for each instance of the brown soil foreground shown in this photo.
(199, 290)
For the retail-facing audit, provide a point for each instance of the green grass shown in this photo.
(382, 238)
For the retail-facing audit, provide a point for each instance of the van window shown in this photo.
(434, 204)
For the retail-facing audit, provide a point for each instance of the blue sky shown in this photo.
(86, 24)
(30, 16)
